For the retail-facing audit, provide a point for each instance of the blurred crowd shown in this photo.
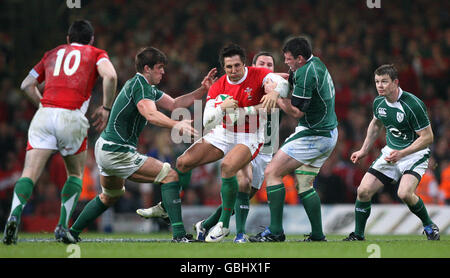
(351, 39)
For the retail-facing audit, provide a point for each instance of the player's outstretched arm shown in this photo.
(373, 131)
(186, 100)
(148, 110)
(30, 86)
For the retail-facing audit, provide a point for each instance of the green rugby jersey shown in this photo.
(401, 119)
(313, 81)
(125, 123)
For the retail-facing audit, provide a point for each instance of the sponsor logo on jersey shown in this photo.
(400, 117)
(382, 112)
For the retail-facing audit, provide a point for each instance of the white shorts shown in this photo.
(58, 129)
(117, 160)
(259, 165)
(415, 164)
(310, 150)
(225, 140)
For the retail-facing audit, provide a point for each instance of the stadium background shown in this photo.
(349, 37)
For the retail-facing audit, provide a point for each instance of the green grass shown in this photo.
(42, 245)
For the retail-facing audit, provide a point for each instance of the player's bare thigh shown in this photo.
(281, 165)
(198, 154)
(75, 164)
(150, 170)
(234, 160)
(35, 161)
(406, 189)
(368, 187)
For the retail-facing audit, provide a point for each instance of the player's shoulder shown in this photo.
(412, 102)
(219, 82)
(378, 101)
(410, 98)
(258, 70)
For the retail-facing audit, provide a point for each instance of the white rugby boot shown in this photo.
(217, 233)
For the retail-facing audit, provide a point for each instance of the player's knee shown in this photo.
(183, 164)
(269, 172)
(171, 176)
(228, 169)
(305, 177)
(405, 195)
(244, 184)
(363, 193)
(109, 199)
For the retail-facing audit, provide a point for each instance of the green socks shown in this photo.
(228, 193)
(362, 212)
(184, 179)
(275, 197)
(69, 198)
(420, 210)
(311, 203)
(241, 211)
(212, 219)
(91, 211)
(22, 192)
(170, 193)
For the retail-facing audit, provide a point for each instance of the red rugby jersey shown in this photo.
(248, 91)
(70, 73)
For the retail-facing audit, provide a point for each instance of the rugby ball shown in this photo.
(219, 99)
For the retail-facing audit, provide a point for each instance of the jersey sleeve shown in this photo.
(101, 56)
(213, 91)
(158, 94)
(38, 71)
(142, 91)
(304, 82)
(376, 103)
(418, 116)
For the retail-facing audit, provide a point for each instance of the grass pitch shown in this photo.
(43, 245)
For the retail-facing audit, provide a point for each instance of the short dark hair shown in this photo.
(388, 69)
(231, 50)
(149, 56)
(298, 46)
(80, 31)
(262, 53)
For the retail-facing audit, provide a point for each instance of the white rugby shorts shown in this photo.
(225, 140)
(310, 150)
(415, 164)
(117, 160)
(58, 129)
(259, 165)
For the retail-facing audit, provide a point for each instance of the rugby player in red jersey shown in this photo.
(69, 72)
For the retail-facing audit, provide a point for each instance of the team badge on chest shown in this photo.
(248, 91)
(400, 117)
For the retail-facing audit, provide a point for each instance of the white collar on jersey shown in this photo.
(76, 44)
(138, 73)
(310, 57)
(400, 92)
(240, 80)
(396, 104)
